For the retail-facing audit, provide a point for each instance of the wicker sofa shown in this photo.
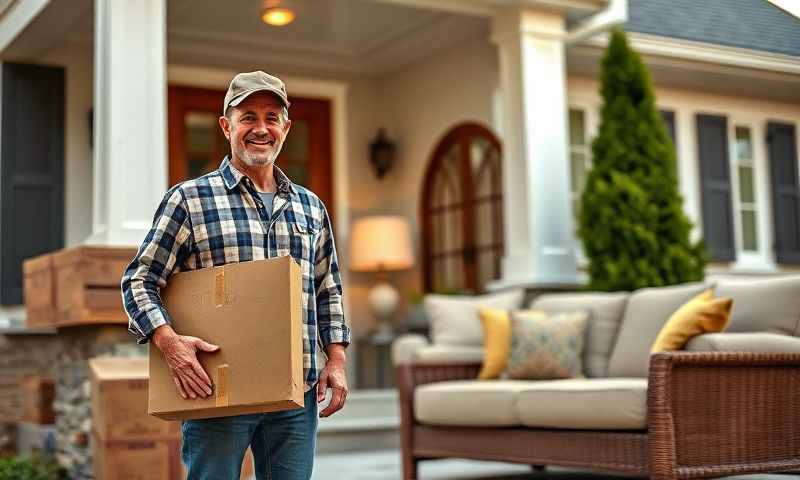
(727, 405)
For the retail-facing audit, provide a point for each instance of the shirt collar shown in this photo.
(232, 177)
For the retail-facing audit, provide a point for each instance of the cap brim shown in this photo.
(240, 98)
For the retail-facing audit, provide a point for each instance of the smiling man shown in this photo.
(245, 210)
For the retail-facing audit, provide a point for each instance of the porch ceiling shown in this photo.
(334, 37)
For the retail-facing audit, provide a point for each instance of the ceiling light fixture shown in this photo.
(277, 16)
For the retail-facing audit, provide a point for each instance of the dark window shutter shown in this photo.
(669, 121)
(715, 182)
(31, 170)
(782, 143)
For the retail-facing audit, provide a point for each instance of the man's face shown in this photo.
(256, 129)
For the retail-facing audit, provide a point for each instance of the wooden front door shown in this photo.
(197, 145)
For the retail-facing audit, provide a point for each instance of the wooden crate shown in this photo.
(37, 394)
(87, 284)
(39, 291)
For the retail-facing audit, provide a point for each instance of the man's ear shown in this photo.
(287, 127)
(225, 125)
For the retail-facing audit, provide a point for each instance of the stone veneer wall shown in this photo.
(65, 356)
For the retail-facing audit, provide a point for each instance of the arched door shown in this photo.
(461, 212)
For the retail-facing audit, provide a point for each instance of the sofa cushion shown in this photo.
(454, 318)
(496, 326)
(646, 312)
(702, 314)
(763, 342)
(589, 403)
(605, 314)
(763, 304)
(546, 346)
(468, 403)
(448, 354)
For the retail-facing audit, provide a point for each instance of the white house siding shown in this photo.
(746, 111)
(422, 103)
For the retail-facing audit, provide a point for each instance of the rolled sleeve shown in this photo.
(166, 246)
(328, 287)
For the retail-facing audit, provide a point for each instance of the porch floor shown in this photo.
(385, 465)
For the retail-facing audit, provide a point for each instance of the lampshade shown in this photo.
(380, 242)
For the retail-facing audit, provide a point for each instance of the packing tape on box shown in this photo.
(219, 287)
(222, 386)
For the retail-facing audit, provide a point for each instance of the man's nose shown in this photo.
(260, 127)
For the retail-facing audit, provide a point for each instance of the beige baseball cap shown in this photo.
(244, 84)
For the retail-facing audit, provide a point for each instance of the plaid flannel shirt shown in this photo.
(219, 218)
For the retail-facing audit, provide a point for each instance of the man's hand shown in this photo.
(333, 376)
(180, 352)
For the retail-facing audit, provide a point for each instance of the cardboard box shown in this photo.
(253, 311)
(37, 394)
(38, 281)
(119, 402)
(87, 280)
(136, 460)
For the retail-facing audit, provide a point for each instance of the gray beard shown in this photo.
(259, 161)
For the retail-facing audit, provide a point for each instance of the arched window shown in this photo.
(462, 212)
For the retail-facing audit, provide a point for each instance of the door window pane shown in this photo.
(205, 142)
(294, 158)
(749, 241)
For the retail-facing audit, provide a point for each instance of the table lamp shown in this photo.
(381, 244)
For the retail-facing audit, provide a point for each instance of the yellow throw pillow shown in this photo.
(702, 314)
(496, 326)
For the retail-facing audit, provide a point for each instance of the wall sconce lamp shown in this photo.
(381, 153)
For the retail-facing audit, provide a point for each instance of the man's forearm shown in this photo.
(336, 351)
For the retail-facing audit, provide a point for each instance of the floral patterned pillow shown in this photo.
(546, 346)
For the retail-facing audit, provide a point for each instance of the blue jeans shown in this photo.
(282, 443)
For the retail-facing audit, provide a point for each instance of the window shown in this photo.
(462, 216)
(579, 156)
(745, 203)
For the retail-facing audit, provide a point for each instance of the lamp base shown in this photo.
(383, 301)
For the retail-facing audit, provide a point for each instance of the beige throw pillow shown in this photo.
(546, 346)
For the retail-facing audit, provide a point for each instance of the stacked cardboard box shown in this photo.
(75, 286)
(126, 441)
(37, 394)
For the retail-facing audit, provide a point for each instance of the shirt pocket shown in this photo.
(301, 247)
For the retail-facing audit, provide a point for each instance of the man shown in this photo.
(246, 210)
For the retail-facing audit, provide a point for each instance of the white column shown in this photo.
(539, 226)
(130, 153)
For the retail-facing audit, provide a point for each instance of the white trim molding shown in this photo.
(706, 52)
(15, 16)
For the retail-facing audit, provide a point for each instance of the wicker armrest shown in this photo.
(721, 413)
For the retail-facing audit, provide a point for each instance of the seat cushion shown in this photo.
(761, 305)
(454, 318)
(469, 403)
(757, 342)
(646, 312)
(587, 404)
(605, 314)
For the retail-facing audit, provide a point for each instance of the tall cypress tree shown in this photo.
(631, 221)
